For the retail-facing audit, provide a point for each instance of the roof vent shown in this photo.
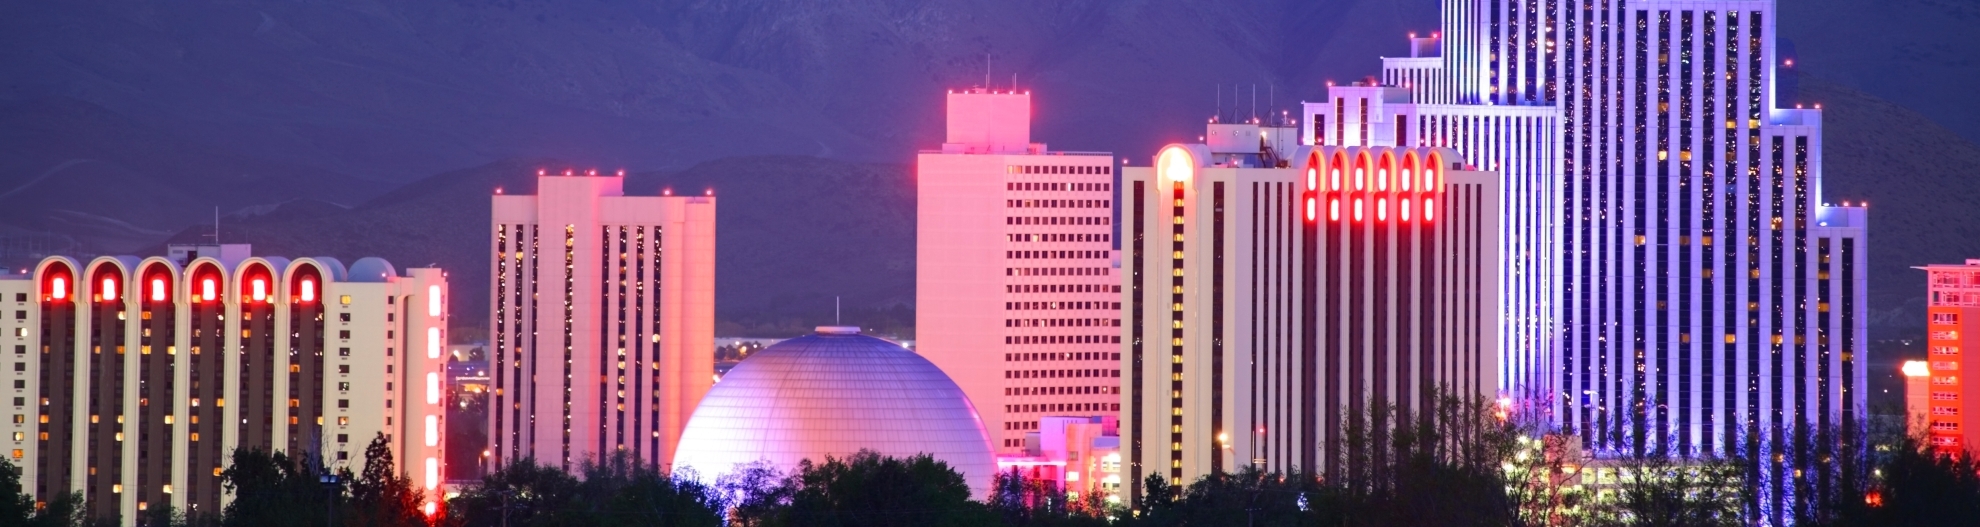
(838, 330)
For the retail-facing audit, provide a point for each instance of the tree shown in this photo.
(521, 494)
(272, 489)
(16, 506)
(868, 489)
(383, 496)
(1658, 490)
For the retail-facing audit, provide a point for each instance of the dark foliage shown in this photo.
(617, 490)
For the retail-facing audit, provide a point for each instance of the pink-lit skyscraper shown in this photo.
(602, 320)
(1016, 291)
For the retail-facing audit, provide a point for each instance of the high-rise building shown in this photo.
(1016, 296)
(1678, 284)
(1952, 310)
(133, 380)
(1275, 293)
(601, 320)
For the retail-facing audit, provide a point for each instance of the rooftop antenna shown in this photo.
(986, 70)
(835, 310)
(1254, 102)
(1013, 82)
(1271, 100)
(216, 225)
(1220, 101)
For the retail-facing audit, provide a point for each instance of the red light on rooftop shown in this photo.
(667, 192)
(709, 192)
(308, 290)
(498, 191)
(158, 290)
(206, 289)
(109, 290)
(260, 290)
(58, 287)
(1310, 212)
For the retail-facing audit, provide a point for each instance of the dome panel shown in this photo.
(835, 393)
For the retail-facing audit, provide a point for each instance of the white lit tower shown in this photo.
(1695, 294)
(1016, 291)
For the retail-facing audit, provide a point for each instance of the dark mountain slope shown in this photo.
(792, 232)
(1917, 176)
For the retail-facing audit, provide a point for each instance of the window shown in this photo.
(343, 368)
(342, 455)
(343, 352)
(344, 334)
(343, 421)
(343, 317)
(20, 315)
(1945, 318)
(343, 386)
(343, 403)
(343, 438)
(345, 300)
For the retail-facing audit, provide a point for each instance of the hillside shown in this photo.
(792, 233)
(1916, 176)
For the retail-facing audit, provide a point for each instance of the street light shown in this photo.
(331, 485)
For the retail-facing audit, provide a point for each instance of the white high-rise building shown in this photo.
(601, 320)
(1680, 285)
(133, 381)
(1016, 294)
(1278, 295)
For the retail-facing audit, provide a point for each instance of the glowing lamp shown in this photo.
(58, 287)
(1334, 179)
(158, 290)
(1309, 209)
(1381, 209)
(1175, 164)
(109, 289)
(1429, 179)
(260, 290)
(1360, 178)
(432, 388)
(206, 289)
(1312, 178)
(1382, 180)
(432, 479)
(1334, 210)
(1404, 209)
(308, 290)
(1429, 209)
(1357, 209)
(1405, 180)
(430, 508)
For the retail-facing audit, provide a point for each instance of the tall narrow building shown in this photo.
(1952, 310)
(601, 320)
(1016, 294)
(134, 380)
(1278, 294)
(1680, 286)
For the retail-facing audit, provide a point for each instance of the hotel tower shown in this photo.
(1678, 284)
(133, 380)
(1016, 292)
(601, 320)
(1277, 293)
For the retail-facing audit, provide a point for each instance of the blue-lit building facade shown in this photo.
(1676, 283)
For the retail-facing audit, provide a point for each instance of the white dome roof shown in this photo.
(835, 393)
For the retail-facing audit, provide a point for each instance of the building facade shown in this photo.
(1269, 305)
(135, 379)
(601, 320)
(1952, 311)
(1016, 293)
(1679, 283)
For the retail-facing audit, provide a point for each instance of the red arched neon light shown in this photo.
(57, 280)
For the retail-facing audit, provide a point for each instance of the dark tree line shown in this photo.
(270, 489)
(1465, 463)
